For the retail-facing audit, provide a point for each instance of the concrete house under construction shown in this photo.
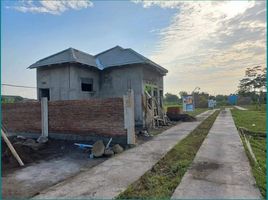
(73, 75)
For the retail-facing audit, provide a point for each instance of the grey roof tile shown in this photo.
(116, 56)
(65, 56)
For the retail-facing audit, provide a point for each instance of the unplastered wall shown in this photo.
(84, 117)
(22, 117)
(94, 118)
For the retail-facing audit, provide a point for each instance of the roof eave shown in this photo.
(33, 66)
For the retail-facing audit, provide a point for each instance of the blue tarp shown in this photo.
(232, 99)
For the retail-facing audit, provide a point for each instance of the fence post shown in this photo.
(44, 116)
(129, 121)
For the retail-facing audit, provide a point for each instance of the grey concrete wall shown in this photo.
(115, 82)
(64, 81)
(151, 76)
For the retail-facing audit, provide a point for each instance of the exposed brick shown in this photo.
(84, 117)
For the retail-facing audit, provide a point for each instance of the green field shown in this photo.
(254, 120)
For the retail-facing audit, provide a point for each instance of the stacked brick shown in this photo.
(96, 117)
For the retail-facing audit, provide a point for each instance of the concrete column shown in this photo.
(44, 116)
(129, 121)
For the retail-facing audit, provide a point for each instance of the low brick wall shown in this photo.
(22, 117)
(94, 117)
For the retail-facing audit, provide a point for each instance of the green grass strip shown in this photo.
(258, 144)
(166, 174)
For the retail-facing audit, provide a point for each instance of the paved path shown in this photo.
(113, 176)
(220, 168)
(240, 108)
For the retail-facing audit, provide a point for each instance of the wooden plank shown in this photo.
(10, 146)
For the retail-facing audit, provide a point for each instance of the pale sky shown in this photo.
(202, 43)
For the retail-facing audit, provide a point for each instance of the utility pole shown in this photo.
(196, 88)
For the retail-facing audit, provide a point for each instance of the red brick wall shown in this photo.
(84, 117)
(95, 116)
(22, 117)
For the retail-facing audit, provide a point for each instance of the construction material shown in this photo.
(173, 110)
(108, 152)
(154, 113)
(83, 146)
(108, 144)
(181, 117)
(117, 148)
(10, 146)
(98, 149)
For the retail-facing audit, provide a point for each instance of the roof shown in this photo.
(66, 56)
(114, 57)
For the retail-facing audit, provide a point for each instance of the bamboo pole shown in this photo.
(10, 146)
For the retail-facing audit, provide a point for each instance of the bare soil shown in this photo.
(44, 167)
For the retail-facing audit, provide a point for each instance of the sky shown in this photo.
(208, 44)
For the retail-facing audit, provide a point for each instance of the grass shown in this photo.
(166, 174)
(246, 119)
(252, 120)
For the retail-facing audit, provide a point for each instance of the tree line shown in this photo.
(252, 86)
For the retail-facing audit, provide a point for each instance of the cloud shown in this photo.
(51, 7)
(210, 42)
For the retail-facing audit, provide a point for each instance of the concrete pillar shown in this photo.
(129, 121)
(44, 116)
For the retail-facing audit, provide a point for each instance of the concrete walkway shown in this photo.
(240, 108)
(220, 169)
(113, 176)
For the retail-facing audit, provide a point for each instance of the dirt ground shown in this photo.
(53, 163)
(49, 164)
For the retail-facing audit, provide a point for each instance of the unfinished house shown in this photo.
(74, 75)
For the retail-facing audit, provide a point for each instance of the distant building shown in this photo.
(72, 74)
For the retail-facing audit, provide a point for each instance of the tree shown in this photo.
(253, 84)
(171, 98)
(183, 93)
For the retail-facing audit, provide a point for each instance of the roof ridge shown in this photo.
(54, 54)
(117, 46)
(73, 54)
(147, 59)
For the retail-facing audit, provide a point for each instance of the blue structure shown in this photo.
(232, 99)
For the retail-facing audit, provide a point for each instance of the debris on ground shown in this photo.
(98, 149)
(108, 144)
(42, 139)
(108, 152)
(117, 149)
(83, 146)
(181, 117)
(26, 148)
(31, 151)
